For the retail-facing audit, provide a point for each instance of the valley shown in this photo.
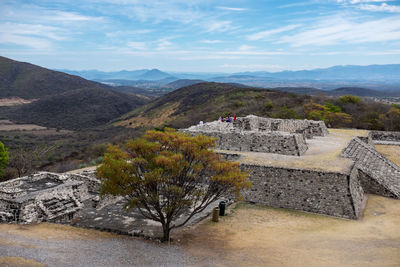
(74, 119)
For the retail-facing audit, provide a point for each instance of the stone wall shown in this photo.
(308, 127)
(267, 142)
(378, 175)
(335, 194)
(382, 137)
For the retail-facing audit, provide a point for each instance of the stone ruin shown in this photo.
(74, 199)
(298, 164)
(44, 197)
(293, 164)
(252, 133)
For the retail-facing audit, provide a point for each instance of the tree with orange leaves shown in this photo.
(168, 174)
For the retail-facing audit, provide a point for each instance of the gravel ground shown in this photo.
(105, 249)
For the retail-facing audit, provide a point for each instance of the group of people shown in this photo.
(229, 118)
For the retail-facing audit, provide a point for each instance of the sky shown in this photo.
(200, 35)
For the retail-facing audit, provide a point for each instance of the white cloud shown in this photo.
(246, 47)
(380, 8)
(265, 34)
(164, 44)
(361, 1)
(39, 30)
(36, 36)
(211, 41)
(137, 45)
(231, 8)
(37, 14)
(127, 33)
(253, 67)
(219, 26)
(367, 1)
(339, 30)
(32, 42)
(68, 16)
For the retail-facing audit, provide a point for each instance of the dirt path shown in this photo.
(249, 236)
(259, 236)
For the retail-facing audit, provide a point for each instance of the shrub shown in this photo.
(269, 106)
(351, 99)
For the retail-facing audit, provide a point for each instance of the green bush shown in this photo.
(351, 99)
(239, 104)
(287, 113)
(332, 107)
(395, 106)
(269, 106)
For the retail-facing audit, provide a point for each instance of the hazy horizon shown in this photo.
(200, 36)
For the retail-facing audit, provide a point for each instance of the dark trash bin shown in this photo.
(222, 206)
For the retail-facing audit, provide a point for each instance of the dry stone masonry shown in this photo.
(378, 174)
(340, 193)
(293, 164)
(252, 133)
(42, 197)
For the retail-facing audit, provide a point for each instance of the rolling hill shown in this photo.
(208, 101)
(29, 81)
(78, 109)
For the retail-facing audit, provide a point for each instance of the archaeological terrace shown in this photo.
(293, 164)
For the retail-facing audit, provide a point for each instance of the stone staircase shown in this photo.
(378, 175)
(56, 208)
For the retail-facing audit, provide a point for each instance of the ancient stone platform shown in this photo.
(41, 197)
(331, 176)
(252, 133)
(73, 198)
(293, 164)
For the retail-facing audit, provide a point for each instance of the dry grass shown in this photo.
(13, 101)
(259, 236)
(389, 151)
(164, 115)
(19, 261)
(53, 231)
(21, 127)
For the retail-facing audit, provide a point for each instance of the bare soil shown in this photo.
(253, 235)
(12, 101)
(7, 126)
(250, 235)
(390, 151)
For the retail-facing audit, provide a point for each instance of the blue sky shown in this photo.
(200, 36)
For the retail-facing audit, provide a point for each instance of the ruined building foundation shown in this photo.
(319, 172)
(293, 164)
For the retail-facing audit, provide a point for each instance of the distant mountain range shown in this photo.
(376, 77)
(134, 75)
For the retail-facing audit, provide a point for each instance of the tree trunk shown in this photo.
(166, 231)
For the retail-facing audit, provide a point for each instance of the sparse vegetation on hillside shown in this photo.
(3, 157)
(208, 101)
(77, 109)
